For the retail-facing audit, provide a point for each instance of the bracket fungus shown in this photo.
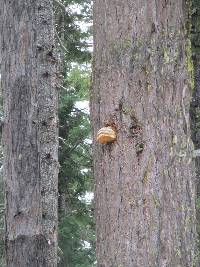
(106, 135)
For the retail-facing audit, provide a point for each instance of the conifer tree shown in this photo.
(145, 179)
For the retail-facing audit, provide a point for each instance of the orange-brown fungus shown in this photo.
(106, 135)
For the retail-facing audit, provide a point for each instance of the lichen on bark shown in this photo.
(145, 209)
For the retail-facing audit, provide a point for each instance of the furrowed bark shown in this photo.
(145, 181)
(30, 132)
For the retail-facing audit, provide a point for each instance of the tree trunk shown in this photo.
(195, 106)
(30, 132)
(145, 180)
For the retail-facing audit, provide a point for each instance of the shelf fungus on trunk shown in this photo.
(106, 135)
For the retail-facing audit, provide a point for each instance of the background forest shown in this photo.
(76, 226)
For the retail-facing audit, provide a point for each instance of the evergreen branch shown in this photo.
(61, 5)
(61, 43)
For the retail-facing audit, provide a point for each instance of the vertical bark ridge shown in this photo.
(145, 181)
(30, 132)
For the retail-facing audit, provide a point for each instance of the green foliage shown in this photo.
(71, 36)
(77, 239)
(74, 152)
(76, 226)
(195, 29)
(80, 79)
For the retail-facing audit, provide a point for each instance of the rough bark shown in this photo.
(195, 105)
(145, 181)
(30, 132)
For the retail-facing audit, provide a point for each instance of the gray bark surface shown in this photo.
(30, 132)
(145, 181)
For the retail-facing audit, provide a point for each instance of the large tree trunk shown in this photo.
(145, 181)
(30, 132)
(195, 106)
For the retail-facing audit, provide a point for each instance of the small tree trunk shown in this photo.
(30, 132)
(145, 180)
